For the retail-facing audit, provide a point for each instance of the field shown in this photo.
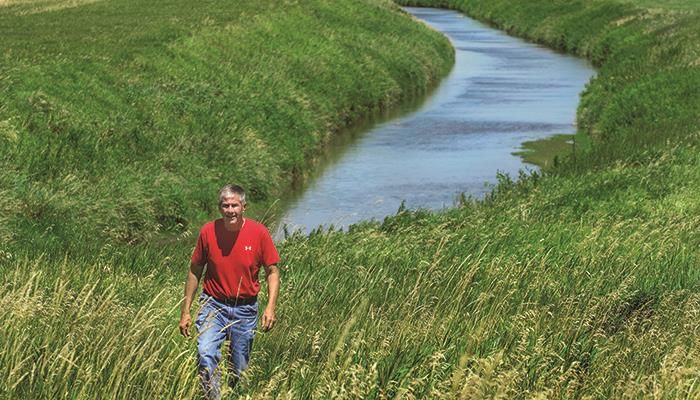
(579, 283)
(164, 103)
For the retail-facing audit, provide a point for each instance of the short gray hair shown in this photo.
(231, 189)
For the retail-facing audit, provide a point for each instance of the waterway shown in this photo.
(501, 92)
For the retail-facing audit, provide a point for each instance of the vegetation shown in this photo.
(582, 283)
(147, 108)
(547, 152)
(118, 122)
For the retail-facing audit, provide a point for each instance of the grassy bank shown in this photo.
(646, 56)
(579, 284)
(118, 122)
(147, 108)
(548, 153)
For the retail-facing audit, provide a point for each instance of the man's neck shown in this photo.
(234, 227)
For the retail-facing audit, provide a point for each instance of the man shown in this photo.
(233, 248)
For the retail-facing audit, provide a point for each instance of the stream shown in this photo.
(501, 92)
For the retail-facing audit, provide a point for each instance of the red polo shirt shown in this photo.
(233, 259)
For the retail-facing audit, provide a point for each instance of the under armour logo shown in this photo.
(248, 248)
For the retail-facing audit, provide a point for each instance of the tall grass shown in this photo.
(465, 304)
(579, 284)
(119, 119)
(647, 60)
(148, 107)
(67, 341)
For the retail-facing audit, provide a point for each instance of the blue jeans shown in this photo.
(217, 322)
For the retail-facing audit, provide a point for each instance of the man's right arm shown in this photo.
(191, 285)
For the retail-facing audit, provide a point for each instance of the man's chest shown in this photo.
(244, 252)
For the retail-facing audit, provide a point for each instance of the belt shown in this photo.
(237, 301)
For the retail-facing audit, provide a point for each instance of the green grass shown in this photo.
(579, 283)
(149, 107)
(118, 122)
(664, 4)
(546, 153)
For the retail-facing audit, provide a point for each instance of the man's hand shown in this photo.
(268, 319)
(185, 324)
(191, 284)
(273, 289)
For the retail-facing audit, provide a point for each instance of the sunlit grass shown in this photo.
(664, 4)
(548, 153)
(579, 284)
(167, 101)
(471, 305)
(28, 7)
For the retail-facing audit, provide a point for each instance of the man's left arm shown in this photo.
(273, 288)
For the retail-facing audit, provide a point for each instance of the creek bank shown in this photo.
(547, 153)
(501, 91)
(250, 93)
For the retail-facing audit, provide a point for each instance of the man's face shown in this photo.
(232, 209)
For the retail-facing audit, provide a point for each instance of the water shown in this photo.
(501, 92)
